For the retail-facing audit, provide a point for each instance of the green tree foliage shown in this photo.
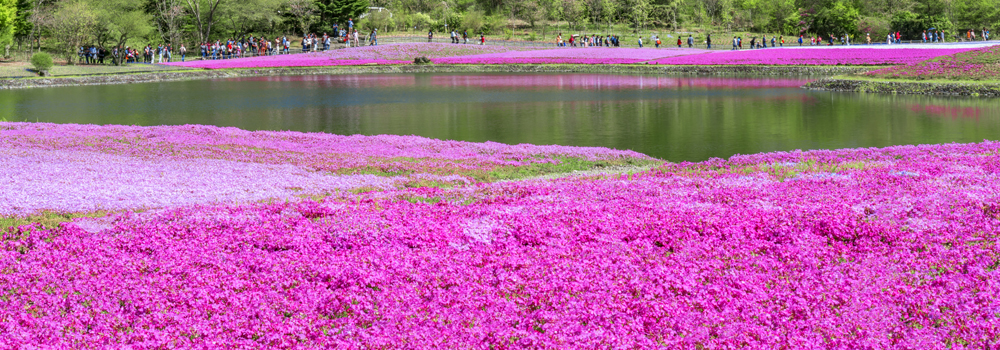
(72, 25)
(840, 18)
(977, 13)
(339, 11)
(120, 21)
(8, 20)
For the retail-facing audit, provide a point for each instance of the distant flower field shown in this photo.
(366, 55)
(858, 248)
(811, 57)
(590, 55)
(439, 53)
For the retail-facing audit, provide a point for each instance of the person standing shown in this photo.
(559, 40)
(679, 43)
(482, 39)
(734, 43)
(430, 35)
(640, 42)
(708, 40)
(465, 37)
(690, 41)
(184, 51)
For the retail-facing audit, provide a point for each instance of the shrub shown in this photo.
(422, 60)
(42, 61)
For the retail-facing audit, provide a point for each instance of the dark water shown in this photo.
(666, 117)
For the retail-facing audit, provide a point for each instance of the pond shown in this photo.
(673, 118)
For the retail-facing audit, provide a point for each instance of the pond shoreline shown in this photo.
(967, 89)
(130, 78)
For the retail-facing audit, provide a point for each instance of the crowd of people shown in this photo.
(350, 37)
(591, 40)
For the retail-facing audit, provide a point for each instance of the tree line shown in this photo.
(64, 25)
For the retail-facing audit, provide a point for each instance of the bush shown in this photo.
(422, 60)
(42, 61)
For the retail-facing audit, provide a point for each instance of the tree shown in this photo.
(8, 17)
(72, 24)
(203, 12)
(243, 16)
(302, 11)
(168, 15)
(339, 11)
(119, 21)
(572, 12)
(22, 24)
(837, 19)
(977, 13)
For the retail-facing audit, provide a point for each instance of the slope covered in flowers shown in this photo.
(812, 56)
(978, 64)
(591, 55)
(865, 248)
(84, 168)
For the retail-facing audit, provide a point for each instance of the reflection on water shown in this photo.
(668, 117)
(948, 111)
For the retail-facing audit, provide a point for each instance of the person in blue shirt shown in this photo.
(350, 24)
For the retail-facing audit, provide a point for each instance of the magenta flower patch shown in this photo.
(570, 55)
(810, 57)
(401, 53)
(844, 249)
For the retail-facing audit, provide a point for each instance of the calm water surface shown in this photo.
(672, 118)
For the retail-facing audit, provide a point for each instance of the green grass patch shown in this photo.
(780, 172)
(564, 165)
(877, 79)
(47, 219)
(408, 166)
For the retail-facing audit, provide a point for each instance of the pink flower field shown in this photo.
(86, 168)
(811, 57)
(836, 249)
(401, 53)
(591, 55)
(404, 53)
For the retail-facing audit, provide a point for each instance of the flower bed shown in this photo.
(401, 53)
(866, 248)
(82, 168)
(590, 55)
(811, 57)
(978, 64)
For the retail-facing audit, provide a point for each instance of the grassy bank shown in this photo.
(980, 88)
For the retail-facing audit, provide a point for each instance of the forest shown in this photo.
(64, 25)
